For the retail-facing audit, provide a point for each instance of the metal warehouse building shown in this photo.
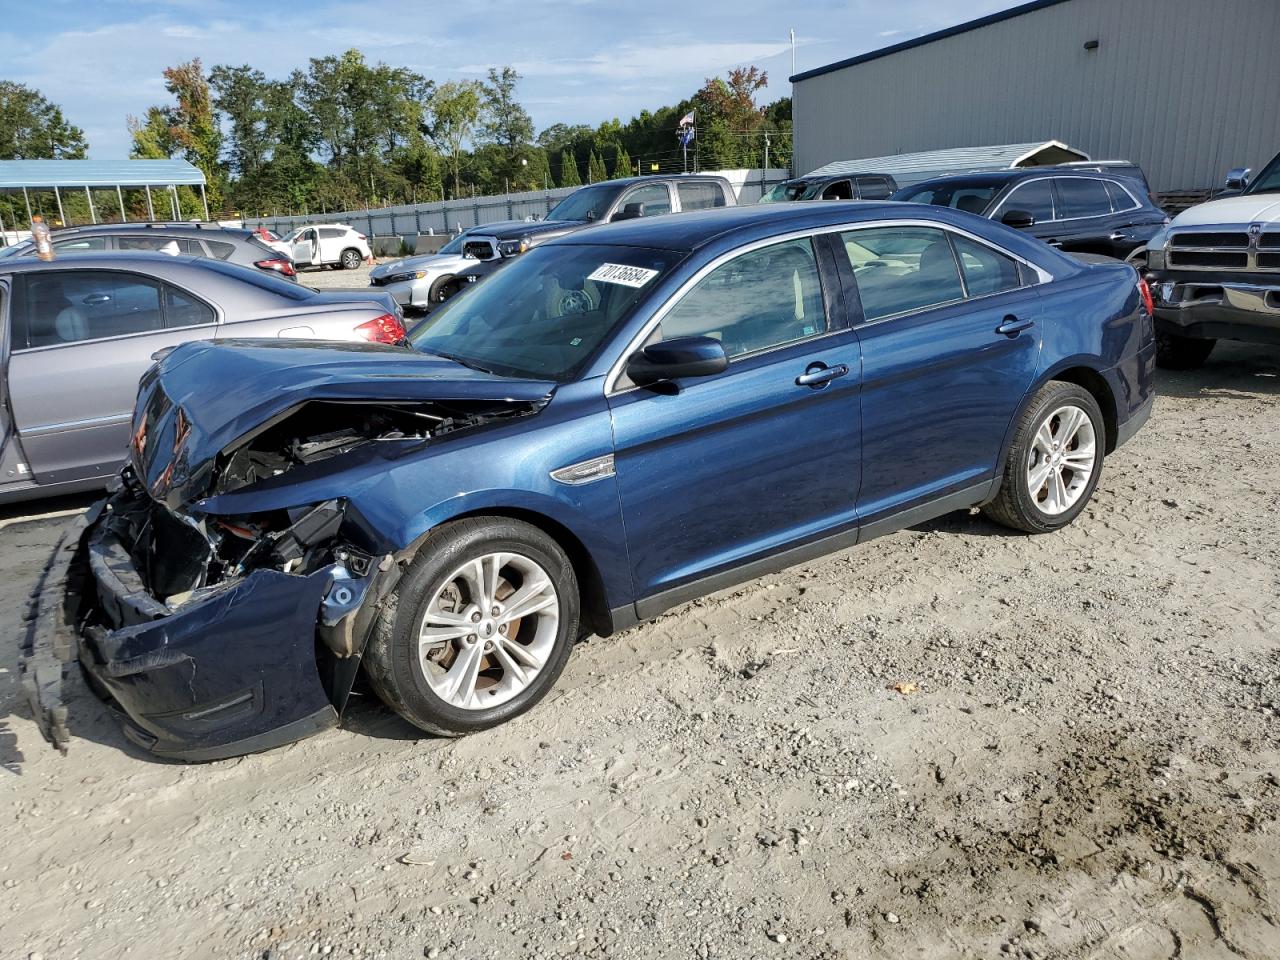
(1186, 88)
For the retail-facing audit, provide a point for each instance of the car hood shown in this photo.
(1245, 209)
(515, 229)
(205, 398)
(428, 261)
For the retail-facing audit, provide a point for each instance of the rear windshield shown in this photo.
(975, 198)
(260, 279)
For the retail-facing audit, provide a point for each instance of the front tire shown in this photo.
(478, 629)
(440, 291)
(1055, 460)
(1181, 353)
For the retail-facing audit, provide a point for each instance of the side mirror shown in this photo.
(629, 212)
(1018, 219)
(677, 358)
(1238, 178)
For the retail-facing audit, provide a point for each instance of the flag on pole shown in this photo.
(687, 119)
(685, 135)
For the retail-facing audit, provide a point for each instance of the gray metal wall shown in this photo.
(1186, 88)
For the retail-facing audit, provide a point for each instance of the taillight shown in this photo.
(384, 329)
(279, 265)
(1145, 290)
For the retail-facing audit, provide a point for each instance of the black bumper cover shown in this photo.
(233, 672)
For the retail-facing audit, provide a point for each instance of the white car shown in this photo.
(328, 244)
(417, 282)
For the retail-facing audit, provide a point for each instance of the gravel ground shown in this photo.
(327, 279)
(1083, 761)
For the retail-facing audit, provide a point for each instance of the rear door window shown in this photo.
(181, 309)
(1034, 197)
(65, 307)
(874, 188)
(902, 269)
(838, 190)
(154, 243)
(331, 233)
(1082, 197)
(986, 271)
(699, 196)
(1120, 198)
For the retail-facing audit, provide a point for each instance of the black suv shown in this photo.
(209, 240)
(1103, 208)
(834, 186)
(604, 202)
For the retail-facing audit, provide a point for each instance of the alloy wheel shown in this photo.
(488, 630)
(1064, 454)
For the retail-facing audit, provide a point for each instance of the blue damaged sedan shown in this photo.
(624, 419)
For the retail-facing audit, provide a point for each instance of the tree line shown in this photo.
(344, 133)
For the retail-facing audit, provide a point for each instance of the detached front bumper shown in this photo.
(233, 670)
(1228, 310)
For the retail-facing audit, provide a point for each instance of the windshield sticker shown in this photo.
(621, 273)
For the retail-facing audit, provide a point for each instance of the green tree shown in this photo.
(454, 111)
(506, 123)
(32, 128)
(729, 122)
(622, 164)
(569, 170)
(152, 139)
(192, 125)
(595, 169)
(239, 95)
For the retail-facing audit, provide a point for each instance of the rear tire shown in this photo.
(1181, 353)
(438, 652)
(350, 259)
(1054, 462)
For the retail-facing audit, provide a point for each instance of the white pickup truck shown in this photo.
(1214, 271)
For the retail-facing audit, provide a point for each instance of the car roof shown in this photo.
(695, 229)
(132, 260)
(655, 177)
(995, 178)
(182, 229)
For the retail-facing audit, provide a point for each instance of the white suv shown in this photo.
(328, 244)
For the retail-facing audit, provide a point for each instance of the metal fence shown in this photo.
(452, 216)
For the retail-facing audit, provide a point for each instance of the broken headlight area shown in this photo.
(320, 430)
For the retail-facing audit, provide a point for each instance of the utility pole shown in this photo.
(793, 53)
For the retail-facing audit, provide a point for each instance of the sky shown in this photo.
(583, 61)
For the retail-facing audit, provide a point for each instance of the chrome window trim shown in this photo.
(616, 370)
(40, 431)
(994, 214)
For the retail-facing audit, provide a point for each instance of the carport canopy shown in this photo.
(909, 168)
(22, 176)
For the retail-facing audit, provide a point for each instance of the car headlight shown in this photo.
(513, 248)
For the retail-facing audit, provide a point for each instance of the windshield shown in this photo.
(975, 198)
(544, 316)
(589, 203)
(454, 245)
(1268, 180)
(791, 190)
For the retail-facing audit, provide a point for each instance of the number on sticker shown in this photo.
(622, 274)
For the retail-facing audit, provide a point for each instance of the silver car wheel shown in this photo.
(488, 630)
(350, 260)
(1063, 456)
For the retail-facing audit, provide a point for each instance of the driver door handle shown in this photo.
(819, 374)
(1012, 325)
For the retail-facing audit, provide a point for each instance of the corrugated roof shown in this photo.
(928, 38)
(908, 168)
(45, 174)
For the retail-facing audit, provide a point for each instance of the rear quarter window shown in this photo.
(221, 250)
(700, 196)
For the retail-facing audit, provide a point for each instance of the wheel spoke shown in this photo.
(1068, 423)
(434, 635)
(1044, 439)
(474, 575)
(491, 566)
(1057, 491)
(530, 598)
(522, 653)
(509, 663)
(1036, 479)
(1079, 460)
(460, 681)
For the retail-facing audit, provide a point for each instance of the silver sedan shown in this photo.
(82, 329)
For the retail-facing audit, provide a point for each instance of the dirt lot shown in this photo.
(1090, 766)
(327, 279)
